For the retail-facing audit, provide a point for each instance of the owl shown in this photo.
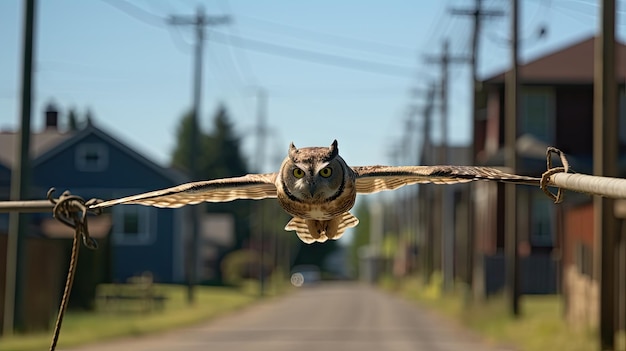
(317, 187)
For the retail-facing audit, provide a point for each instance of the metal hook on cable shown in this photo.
(545, 177)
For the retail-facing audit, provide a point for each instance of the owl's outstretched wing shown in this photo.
(372, 179)
(251, 186)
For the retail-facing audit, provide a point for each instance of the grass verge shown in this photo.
(541, 326)
(81, 328)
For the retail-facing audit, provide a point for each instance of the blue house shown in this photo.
(92, 163)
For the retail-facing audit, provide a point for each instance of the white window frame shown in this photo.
(549, 113)
(146, 228)
(82, 150)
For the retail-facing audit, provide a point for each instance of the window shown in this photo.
(541, 223)
(4, 222)
(132, 225)
(538, 117)
(92, 157)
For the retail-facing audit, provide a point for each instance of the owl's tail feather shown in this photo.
(310, 231)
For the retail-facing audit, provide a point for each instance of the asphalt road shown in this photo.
(333, 316)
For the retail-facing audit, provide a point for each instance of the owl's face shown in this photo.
(313, 174)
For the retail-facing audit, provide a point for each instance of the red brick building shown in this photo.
(556, 109)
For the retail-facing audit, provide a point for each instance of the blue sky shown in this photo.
(332, 70)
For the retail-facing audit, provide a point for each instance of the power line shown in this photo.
(240, 58)
(179, 42)
(573, 12)
(137, 13)
(311, 56)
(443, 26)
(325, 38)
(334, 92)
(539, 16)
(270, 48)
(439, 27)
(224, 71)
(444, 60)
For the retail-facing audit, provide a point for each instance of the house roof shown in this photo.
(50, 142)
(573, 64)
(39, 144)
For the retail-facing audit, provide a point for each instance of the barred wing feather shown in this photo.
(302, 230)
(251, 186)
(372, 179)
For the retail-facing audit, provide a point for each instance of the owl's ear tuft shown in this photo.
(292, 150)
(334, 150)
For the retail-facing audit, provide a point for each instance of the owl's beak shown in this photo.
(312, 188)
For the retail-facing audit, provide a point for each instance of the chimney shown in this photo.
(52, 117)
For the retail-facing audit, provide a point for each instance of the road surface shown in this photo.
(332, 316)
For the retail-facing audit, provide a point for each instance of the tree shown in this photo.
(72, 120)
(180, 158)
(218, 156)
(225, 158)
(75, 122)
(89, 117)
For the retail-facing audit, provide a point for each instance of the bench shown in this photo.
(138, 294)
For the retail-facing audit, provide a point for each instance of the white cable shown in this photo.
(594, 185)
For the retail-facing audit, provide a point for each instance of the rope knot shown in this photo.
(72, 210)
(545, 177)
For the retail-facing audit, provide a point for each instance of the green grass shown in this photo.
(83, 328)
(541, 326)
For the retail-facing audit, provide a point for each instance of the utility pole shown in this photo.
(604, 164)
(477, 13)
(261, 129)
(444, 61)
(199, 21)
(427, 249)
(20, 178)
(447, 235)
(510, 137)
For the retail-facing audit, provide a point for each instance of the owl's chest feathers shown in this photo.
(319, 209)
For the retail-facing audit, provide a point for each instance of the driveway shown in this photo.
(329, 316)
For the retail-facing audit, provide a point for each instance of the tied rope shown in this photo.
(71, 210)
(545, 177)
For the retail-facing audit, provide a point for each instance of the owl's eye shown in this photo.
(326, 172)
(298, 173)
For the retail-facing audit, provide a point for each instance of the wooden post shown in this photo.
(604, 164)
(20, 178)
(510, 138)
